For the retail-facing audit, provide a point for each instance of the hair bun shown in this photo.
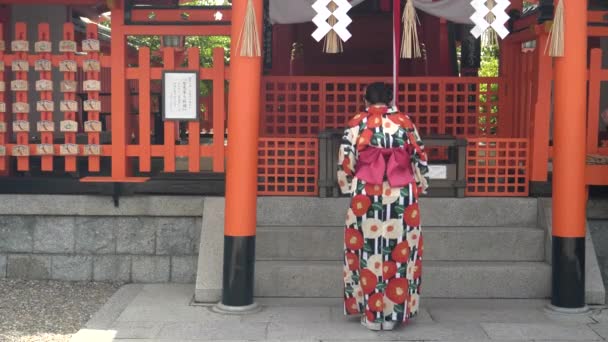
(379, 92)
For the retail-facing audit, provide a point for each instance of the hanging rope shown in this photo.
(249, 38)
(490, 37)
(410, 46)
(332, 43)
(555, 44)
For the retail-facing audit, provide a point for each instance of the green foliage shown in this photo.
(205, 44)
(489, 61)
(488, 99)
(528, 5)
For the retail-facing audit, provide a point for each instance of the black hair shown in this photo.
(379, 92)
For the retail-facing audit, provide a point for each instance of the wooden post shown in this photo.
(569, 194)
(542, 109)
(119, 93)
(241, 173)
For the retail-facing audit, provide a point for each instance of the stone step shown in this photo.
(455, 279)
(441, 243)
(436, 212)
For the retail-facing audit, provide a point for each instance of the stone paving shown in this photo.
(155, 313)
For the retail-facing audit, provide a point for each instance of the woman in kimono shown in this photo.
(382, 164)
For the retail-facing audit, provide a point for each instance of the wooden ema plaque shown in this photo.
(20, 46)
(44, 85)
(68, 66)
(68, 106)
(2, 86)
(18, 85)
(2, 107)
(2, 45)
(68, 126)
(43, 65)
(44, 149)
(43, 46)
(68, 149)
(21, 107)
(45, 106)
(2, 127)
(45, 126)
(68, 86)
(21, 126)
(21, 151)
(20, 65)
(91, 85)
(92, 126)
(90, 45)
(2, 151)
(92, 106)
(67, 46)
(1, 65)
(91, 65)
(92, 150)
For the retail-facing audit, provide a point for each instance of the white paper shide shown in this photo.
(323, 13)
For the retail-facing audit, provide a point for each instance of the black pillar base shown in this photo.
(568, 273)
(239, 261)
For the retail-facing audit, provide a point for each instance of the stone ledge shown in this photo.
(597, 209)
(88, 205)
(79, 267)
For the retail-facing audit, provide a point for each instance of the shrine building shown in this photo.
(196, 142)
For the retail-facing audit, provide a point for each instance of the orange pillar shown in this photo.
(120, 134)
(569, 194)
(241, 173)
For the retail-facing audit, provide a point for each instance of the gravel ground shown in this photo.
(48, 310)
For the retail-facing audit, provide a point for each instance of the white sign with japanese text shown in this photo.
(180, 95)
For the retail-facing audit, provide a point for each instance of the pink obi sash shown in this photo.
(374, 163)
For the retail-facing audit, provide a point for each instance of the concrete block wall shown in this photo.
(150, 239)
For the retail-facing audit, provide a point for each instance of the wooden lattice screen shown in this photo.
(306, 105)
(497, 167)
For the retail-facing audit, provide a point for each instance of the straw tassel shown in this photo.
(332, 43)
(249, 39)
(555, 44)
(490, 37)
(410, 46)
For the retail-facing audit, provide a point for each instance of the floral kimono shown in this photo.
(382, 164)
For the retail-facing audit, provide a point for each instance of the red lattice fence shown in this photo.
(497, 167)
(288, 166)
(304, 106)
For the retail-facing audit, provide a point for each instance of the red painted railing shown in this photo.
(296, 109)
(306, 105)
(85, 72)
(497, 167)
